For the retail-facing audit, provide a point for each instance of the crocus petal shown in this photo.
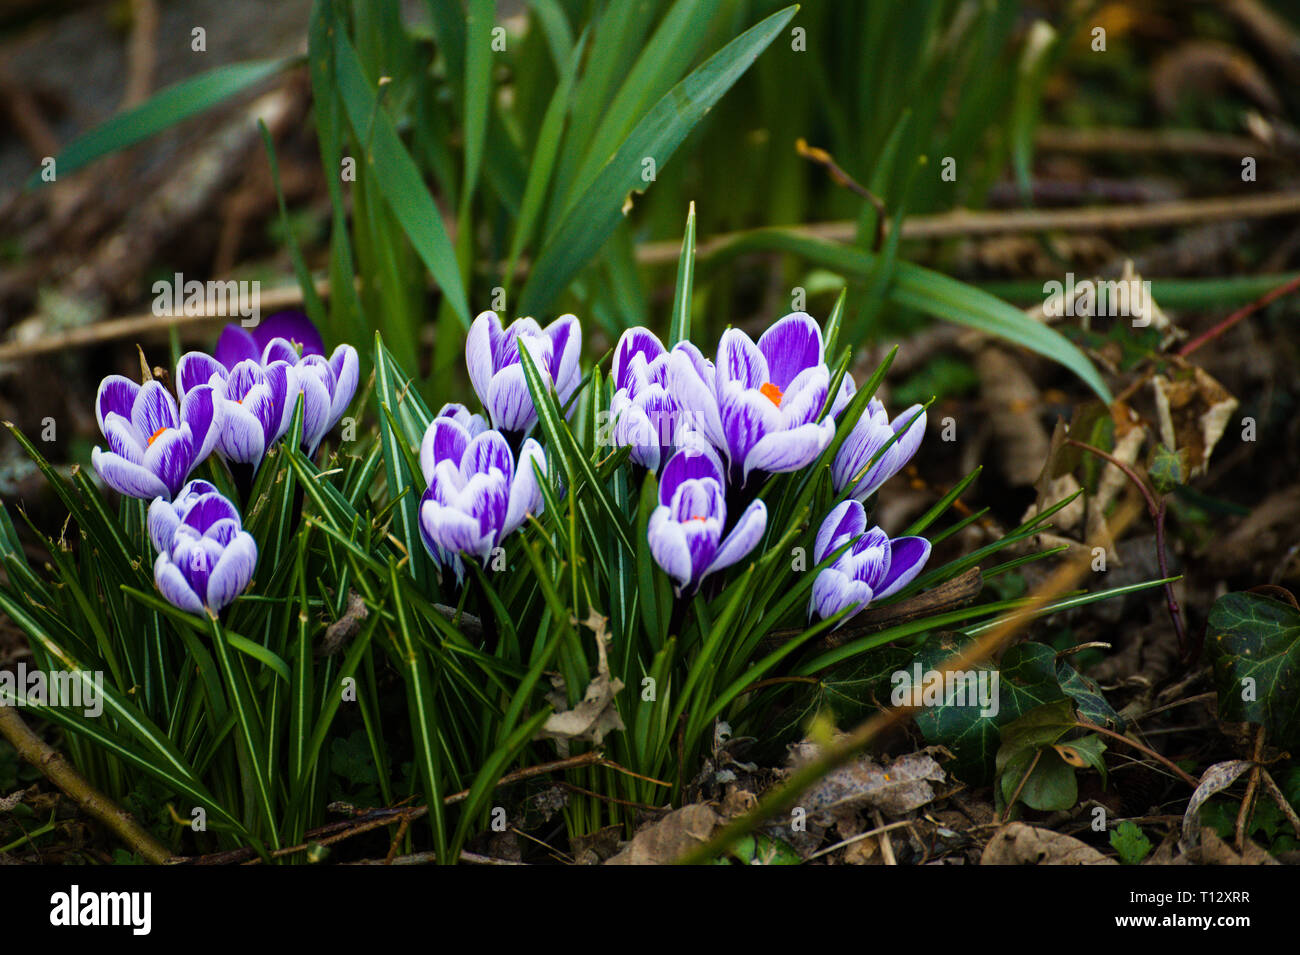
(449, 528)
(208, 510)
(196, 368)
(123, 439)
(280, 349)
(171, 457)
(236, 345)
(282, 383)
(162, 523)
(202, 413)
(782, 451)
(444, 440)
(525, 491)
(740, 360)
(833, 591)
(668, 546)
(847, 390)
(695, 398)
(486, 452)
(347, 369)
(473, 423)
(743, 538)
(508, 401)
(126, 477)
(791, 345)
(117, 395)
(907, 557)
(233, 571)
(173, 585)
(478, 352)
(849, 518)
(315, 407)
(634, 341)
(688, 464)
(153, 409)
(565, 335)
(243, 434)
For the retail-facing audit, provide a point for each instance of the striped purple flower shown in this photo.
(686, 529)
(152, 445)
(477, 494)
(492, 355)
(643, 412)
(874, 567)
(238, 344)
(759, 403)
(872, 432)
(205, 557)
(327, 385)
(257, 401)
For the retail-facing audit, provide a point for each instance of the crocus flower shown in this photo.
(257, 401)
(238, 344)
(874, 567)
(759, 404)
(869, 435)
(327, 385)
(685, 530)
(153, 447)
(477, 495)
(206, 558)
(492, 354)
(644, 414)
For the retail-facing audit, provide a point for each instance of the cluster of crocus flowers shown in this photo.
(205, 557)
(477, 492)
(875, 566)
(686, 530)
(644, 414)
(492, 355)
(237, 402)
(760, 404)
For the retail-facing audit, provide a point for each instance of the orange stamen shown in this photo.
(697, 518)
(772, 393)
(153, 437)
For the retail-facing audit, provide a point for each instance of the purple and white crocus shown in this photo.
(759, 404)
(205, 557)
(686, 529)
(644, 414)
(874, 567)
(152, 445)
(257, 402)
(872, 432)
(477, 494)
(492, 355)
(327, 384)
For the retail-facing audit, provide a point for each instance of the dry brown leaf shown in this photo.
(1012, 400)
(1019, 844)
(665, 841)
(1194, 411)
(894, 790)
(595, 715)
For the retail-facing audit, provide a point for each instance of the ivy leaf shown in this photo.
(1091, 705)
(1254, 647)
(1026, 679)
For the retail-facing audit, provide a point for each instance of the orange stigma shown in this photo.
(772, 393)
(697, 518)
(153, 437)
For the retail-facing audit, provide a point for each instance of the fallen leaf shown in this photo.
(895, 790)
(1194, 411)
(668, 839)
(595, 715)
(1215, 779)
(1019, 844)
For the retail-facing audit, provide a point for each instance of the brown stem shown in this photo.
(1157, 512)
(1163, 760)
(1240, 314)
(74, 785)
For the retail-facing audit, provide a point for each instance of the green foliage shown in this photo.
(1035, 763)
(1253, 643)
(1130, 842)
